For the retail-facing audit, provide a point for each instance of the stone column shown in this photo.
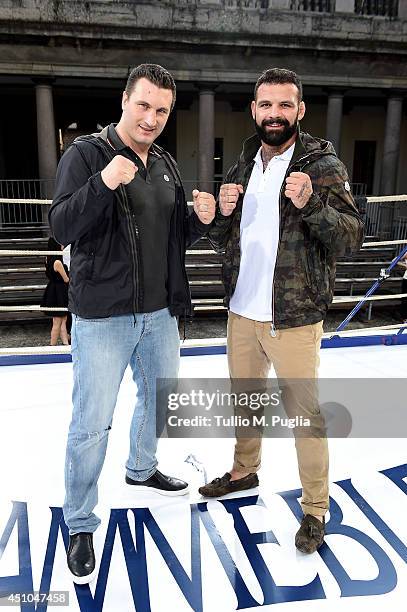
(345, 6)
(206, 153)
(334, 119)
(391, 148)
(402, 10)
(280, 4)
(46, 133)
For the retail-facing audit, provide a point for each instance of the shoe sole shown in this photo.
(308, 552)
(145, 489)
(229, 492)
(83, 579)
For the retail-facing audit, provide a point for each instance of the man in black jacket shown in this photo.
(120, 203)
(285, 214)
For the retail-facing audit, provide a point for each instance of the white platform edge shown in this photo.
(196, 342)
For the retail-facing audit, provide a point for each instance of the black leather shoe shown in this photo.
(81, 558)
(223, 486)
(310, 535)
(160, 483)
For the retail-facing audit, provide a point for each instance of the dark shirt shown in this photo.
(51, 274)
(152, 197)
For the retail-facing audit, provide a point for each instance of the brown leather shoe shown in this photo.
(310, 535)
(222, 486)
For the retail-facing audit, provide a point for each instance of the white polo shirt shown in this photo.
(259, 235)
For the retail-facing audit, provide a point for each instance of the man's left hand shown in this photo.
(298, 188)
(204, 206)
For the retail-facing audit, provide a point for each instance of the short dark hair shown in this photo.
(279, 76)
(155, 74)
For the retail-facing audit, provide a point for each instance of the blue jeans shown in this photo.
(101, 351)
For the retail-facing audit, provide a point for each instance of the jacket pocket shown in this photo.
(319, 274)
(92, 255)
(310, 272)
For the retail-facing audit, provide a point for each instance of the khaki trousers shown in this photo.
(294, 353)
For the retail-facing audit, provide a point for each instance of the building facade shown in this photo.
(63, 65)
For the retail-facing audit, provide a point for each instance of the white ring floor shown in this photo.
(159, 562)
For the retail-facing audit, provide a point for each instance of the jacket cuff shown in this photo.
(201, 228)
(221, 217)
(99, 187)
(313, 205)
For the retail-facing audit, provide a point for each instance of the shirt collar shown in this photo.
(285, 156)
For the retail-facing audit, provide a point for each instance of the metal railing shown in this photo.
(256, 4)
(316, 6)
(262, 4)
(34, 189)
(400, 230)
(18, 213)
(21, 203)
(380, 8)
(386, 217)
(40, 189)
(358, 189)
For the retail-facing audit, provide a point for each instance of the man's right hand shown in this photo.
(228, 197)
(119, 170)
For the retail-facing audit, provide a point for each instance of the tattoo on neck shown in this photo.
(268, 152)
(266, 155)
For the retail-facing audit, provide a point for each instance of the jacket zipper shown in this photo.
(134, 237)
(273, 331)
(180, 216)
(180, 221)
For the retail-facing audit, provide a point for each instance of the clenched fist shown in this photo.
(228, 197)
(119, 170)
(204, 206)
(298, 188)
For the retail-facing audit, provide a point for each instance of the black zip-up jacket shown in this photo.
(99, 224)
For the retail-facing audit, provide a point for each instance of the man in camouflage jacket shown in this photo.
(285, 214)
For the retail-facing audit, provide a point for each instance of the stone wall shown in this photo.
(232, 18)
(216, 40)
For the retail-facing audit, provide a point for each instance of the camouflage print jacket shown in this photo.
(310, 239)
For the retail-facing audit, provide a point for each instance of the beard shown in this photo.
(276, 139)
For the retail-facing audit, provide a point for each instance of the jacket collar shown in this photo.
(111, 137)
